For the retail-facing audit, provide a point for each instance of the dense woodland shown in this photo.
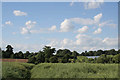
(51, 55)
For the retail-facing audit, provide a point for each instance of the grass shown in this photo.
(59, 70)
(74, 70)
(16, 70)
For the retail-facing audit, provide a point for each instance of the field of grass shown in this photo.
(59, 70)
(16, 70)
(74, 70)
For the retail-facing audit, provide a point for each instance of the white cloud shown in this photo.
(87, 21)
(93, 4)
(110, 41)
(24, 31)
(28, 25)
(71, 4)
(83, 29)
(107, 23)
(23, 46)
(8, 23)
(85, 42)
(66, 26)
(19, 13)
(53, 28)
(98, 31)
(82, 21)
(97, 18)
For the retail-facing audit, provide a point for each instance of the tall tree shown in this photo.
(9, 51)
(48, 51)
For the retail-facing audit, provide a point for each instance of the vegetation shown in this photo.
(74, 70)
(47, 55)
(16, 70)
(59, 70)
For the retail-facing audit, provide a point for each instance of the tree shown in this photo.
(75, 54)
(26, 55)
(99, 52)
(32, 59)
(61, 53)
(9, 51)
(66, 58)
(48, 51)
(116, 58)
(40, 57)
(19, 55)
(12, 56)
(102, 59)
(53, 59)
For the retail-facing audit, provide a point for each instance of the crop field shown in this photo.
(59, 70)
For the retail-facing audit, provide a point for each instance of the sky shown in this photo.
(76, 26)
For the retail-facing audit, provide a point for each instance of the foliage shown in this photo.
(63, 56)
(53, 59)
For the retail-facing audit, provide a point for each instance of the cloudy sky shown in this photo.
(76, 26)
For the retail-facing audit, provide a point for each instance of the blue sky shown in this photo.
(77, 26)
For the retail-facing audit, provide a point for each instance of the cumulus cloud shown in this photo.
(110, 41)
(87, 21)
(24, 31)
(93, 4)
(28, 26)
(19, 13)
(53, 28)
(84, 42)
(83, 29)
(82, 21)
(107, 23)
(97, 18)
(23, 46)
(98, 31)
(66, 26)
(8, 23)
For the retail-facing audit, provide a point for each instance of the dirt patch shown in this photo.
(14, 60)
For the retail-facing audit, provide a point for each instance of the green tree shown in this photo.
(32, 59)
(116, 58)
(53, 59)
(102, 59)
(66, 58)
(26, 55)
(40, 57)
(9, 51)
(48, 51)
(75, 54)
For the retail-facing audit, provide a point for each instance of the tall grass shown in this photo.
(74, 70)
(59, 70)
(16, 70)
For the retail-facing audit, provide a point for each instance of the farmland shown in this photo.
(59, 70)
(14, 60)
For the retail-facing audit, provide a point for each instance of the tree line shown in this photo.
(51, 55)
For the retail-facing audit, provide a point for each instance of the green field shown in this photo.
(59, 70)
(16, 70)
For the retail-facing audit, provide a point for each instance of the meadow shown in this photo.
(59, 70)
